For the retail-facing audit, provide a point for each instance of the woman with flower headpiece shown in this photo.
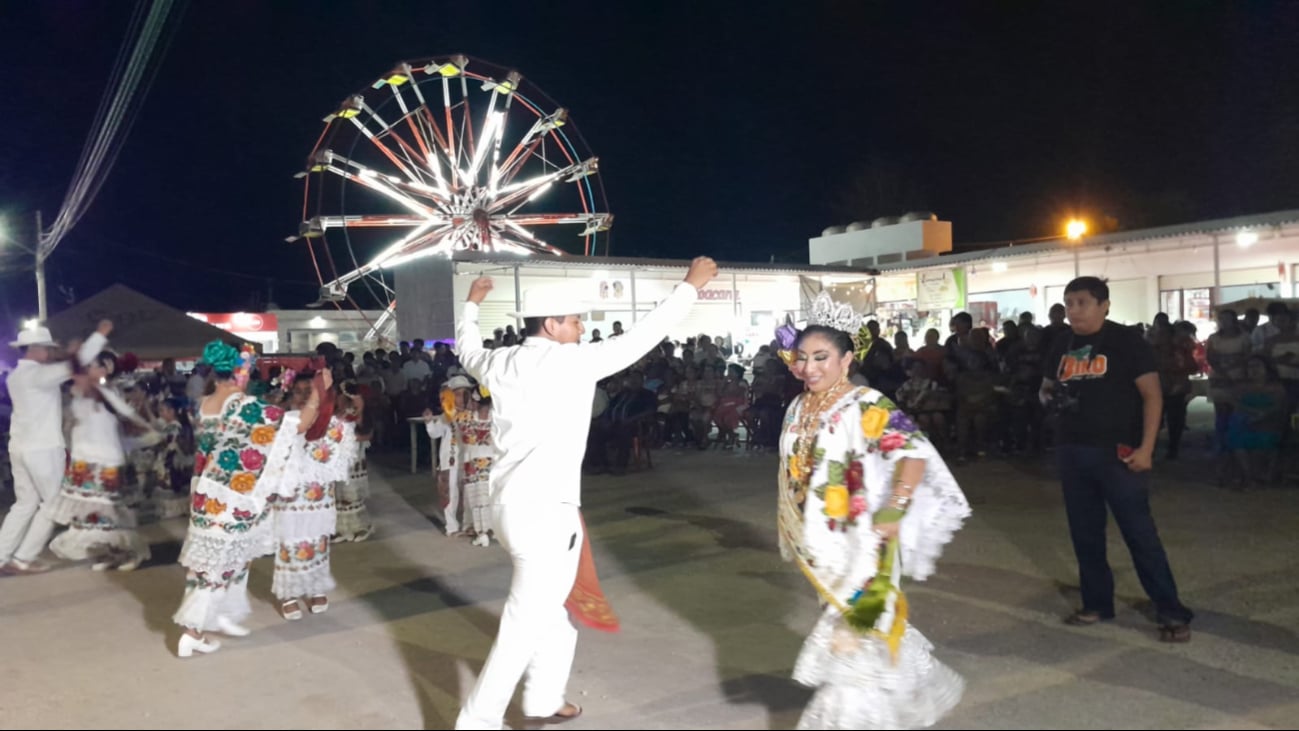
(246, 454)
(305, 516)
(864, 500)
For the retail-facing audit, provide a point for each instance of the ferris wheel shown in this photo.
(442, 155)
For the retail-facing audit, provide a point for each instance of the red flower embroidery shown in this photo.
(243, 514)
(854, 478)
(198, 501)
(252, 459)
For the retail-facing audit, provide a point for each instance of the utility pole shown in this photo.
(42, 312)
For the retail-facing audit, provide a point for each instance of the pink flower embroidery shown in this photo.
(252, 459)
(856, 506)
(273, 414)
(891, 441)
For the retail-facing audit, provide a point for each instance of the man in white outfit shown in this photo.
(540, 393)
(36, 446)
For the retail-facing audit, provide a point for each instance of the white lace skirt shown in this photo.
(353, 517)
(858, 685)
(303, 526)
(92, 503)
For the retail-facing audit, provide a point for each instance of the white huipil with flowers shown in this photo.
(246, 455)
(859, 442)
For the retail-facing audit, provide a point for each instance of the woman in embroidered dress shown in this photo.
(245, 452)
(864, 500)
(306, 518)
(92, 501)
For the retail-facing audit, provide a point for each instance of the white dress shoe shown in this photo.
(189, 644)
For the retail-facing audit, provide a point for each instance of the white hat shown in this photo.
(458, 382)
(552, 300)
(35, 336)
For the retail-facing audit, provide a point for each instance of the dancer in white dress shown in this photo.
(305, 517)
(864, 500)
(93, 500)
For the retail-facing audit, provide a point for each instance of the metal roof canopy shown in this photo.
(485, 261)
(1092, 243)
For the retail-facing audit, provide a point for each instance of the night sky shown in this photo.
(721, 128)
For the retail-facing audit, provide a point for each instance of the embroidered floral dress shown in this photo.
(825, 510)
(244, 457)
(92, 500)
(306, 518)
(473, 462)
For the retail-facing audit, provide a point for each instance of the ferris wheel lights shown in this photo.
(587, 167)
(541, 191)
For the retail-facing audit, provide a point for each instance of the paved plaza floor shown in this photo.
(712, 619)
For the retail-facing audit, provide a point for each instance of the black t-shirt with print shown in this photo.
(1101, 370)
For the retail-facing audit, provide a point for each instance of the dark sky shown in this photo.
(722, 128)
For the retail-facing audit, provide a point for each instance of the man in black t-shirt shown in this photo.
(1103, 387)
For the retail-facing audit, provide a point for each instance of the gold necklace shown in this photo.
(806, 430)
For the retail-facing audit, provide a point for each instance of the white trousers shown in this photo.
(451, 513)
(28, 527)
(536, 640)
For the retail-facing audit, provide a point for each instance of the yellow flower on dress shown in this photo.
(836, 502)
(212, 506)
(243, 482)
(795, 468)
(874, 421)
(263, 435)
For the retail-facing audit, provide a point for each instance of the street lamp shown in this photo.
(1074, 231)
(35, 251)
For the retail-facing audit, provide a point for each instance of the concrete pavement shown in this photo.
(712, 618)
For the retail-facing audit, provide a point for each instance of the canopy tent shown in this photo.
(141, 325)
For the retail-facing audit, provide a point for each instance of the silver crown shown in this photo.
(825, 311)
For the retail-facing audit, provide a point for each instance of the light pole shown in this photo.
(1075, 230)
(39, 261)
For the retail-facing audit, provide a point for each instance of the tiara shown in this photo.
(838, 316)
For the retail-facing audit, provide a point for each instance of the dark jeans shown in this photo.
(1093, 477)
